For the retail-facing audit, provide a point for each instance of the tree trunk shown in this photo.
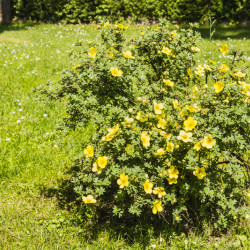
(5, 11)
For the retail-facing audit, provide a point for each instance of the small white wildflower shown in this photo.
(47, 133)
(7, 139)
(18, 121)
(22, 117)
(20, 110)
(45, 115)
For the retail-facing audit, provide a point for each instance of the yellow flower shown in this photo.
(190, 124)
(208, 141)
(189, 72)
(195, 90)
(173, 172)
(88, 199)
(168, 82)
(186, 137)
(145, 138)
(166, 50)
(165, 135)
(183, 113)
(211, 61)
(121, 26)
(206, 67)
(96, 168)
(245, 87)
(170, 147)
(158, 108)
(157, 207)
(111, 133)
(115, 71)
(162, 124)
(193, 108)
(159, 191)
(197, 146)
(195, 49)
(175, 103)
(218, 87)
(172, 181)
(128, 121)
(111, 55)
(224, 49)
(89, 151)
(223, 68)
(92, 52)
(106, 24)
(102, 161)
(140, 118)
(129, 149)
(128, 54)
(174, 33)
(200, 173)
(160, 151)
(77, 66)
(123, 181)
(148, 187)
(239, 74)
(199, 71)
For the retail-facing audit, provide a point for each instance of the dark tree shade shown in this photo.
(5, 11)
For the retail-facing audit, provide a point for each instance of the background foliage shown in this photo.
(77, 11)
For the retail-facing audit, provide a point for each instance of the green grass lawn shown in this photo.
(34, 157)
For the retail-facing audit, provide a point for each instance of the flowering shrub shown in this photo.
(173, 136)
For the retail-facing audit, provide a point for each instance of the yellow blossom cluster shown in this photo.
(92, 52)
(123, 181)
(111, 133)
(115, 71)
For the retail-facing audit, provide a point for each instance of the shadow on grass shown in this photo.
(132, 229)
(16, 26)
(223, 33)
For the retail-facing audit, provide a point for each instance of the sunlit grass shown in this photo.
(33, 155)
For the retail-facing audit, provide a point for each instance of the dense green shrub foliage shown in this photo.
(76, 11)
(172, 136)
